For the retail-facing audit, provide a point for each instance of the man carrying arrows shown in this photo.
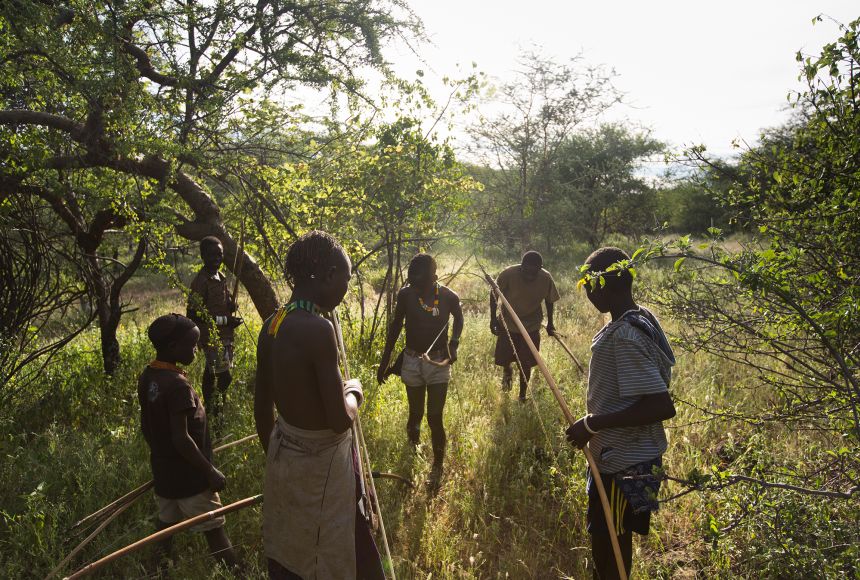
(526, 286)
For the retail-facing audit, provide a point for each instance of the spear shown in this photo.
(604, 501)
(238, 262)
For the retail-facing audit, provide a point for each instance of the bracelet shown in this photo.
(585, 424)
(455, 341)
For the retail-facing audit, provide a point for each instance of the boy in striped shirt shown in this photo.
(627, 401)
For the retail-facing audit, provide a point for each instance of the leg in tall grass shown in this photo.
(164, 548)
(436, 395)
(524, 382)
(221, 548)
(415, 395)
(605, 567)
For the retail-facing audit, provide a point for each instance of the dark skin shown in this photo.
(297, 371)
(529, 270)
(182, 351)
(213, 257)
(616, 298)
(422, 327)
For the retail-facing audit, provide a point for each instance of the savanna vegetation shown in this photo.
(131, 130)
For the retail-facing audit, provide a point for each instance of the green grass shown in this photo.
(512, 502)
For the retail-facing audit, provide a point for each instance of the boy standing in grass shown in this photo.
(310, 523)
(173, 421)
(525, 286)
(209, 301)
(425, 306)
(627, 401)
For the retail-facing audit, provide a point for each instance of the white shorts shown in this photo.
(417, 372)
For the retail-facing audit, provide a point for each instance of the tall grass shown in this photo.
(512, 500)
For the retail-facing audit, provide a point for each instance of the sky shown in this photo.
(693, 72)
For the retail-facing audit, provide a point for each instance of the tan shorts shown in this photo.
(173, 511)
(219, 360)
(419, 373)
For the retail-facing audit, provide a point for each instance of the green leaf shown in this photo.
(679, 262)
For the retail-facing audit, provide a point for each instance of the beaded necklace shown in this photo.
(435, 308)
(286, 309)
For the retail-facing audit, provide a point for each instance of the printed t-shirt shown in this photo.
(162, 393)
(625, 365)
(210, 292)
(526, 297)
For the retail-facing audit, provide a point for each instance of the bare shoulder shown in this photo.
(449, 294)
(316, 327)
(405, 292)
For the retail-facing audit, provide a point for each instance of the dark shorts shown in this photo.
(632, 495)
(505, 354)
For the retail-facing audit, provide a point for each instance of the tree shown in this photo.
(157, 91)
(785, 306)
(38, 296)
(539, 110)
(599, 186)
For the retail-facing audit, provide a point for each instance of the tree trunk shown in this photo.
(207, 214)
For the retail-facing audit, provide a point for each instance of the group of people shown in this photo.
(314, 522)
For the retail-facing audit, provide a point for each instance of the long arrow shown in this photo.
(363, 445)
(116, 507)
(604, 501)
(556, 336)
(164, 534)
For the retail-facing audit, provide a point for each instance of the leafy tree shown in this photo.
(539, 111)
(688, 205)
(158, 91)
(39, 295)
(599, 187)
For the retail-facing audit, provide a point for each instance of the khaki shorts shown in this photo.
(419, 373)
(219, 360)
(173, 511)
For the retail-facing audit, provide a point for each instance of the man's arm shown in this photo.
(189, 451)
(550, 324)
(457, 328)
(340, 404)
(391, 337)
(264, 401)
(494, 323)
(648, 409)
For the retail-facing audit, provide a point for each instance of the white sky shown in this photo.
(694, 72)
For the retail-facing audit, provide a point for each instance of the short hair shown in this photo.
(208, 242)
(312, 251)
(168, 328)
(420, 263)
(602, 258)
(533, 257)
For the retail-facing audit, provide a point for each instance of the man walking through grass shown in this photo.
(526, 286)
(627, 401)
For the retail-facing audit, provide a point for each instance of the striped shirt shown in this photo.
(626, 363)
